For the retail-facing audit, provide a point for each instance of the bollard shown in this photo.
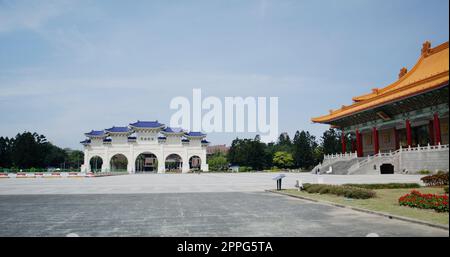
(278, 179)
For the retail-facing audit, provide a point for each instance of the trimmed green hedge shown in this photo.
(424, 172)
(446, 189)
(385, 186)
(339, 190)
(244, 169)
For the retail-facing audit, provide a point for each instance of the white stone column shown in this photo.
(161, 160)
(131, 161)
(161, 166)
(204, 165)
(185, 168)
(106, 162)
(185, 158)
(85, 167)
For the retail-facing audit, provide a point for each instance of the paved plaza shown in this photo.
(181, 183)
(190, 214)
(211, 204)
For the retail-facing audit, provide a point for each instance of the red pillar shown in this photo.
(343, 142)
(408, 133)
(437, 129)
(376, 145)
(359, 147)
(396, 138)
(431, 132)
(353, 145)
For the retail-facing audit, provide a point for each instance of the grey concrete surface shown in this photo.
(190, 214)
(181, 183)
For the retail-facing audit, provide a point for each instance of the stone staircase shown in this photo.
(349, 163)
(338, 163)
(371, 164)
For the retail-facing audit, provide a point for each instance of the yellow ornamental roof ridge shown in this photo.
(431, 70)
(426, 52)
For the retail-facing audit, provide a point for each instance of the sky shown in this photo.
(67, 67)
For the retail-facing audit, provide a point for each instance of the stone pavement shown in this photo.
(181, 183)
(190, 214)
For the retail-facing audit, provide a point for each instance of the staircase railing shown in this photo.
(393, 154)
(329, 159)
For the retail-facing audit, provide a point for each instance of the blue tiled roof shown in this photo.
(107, 140)
(173, 130)
(195, 134)
(87, 141)
(118, 129)
(161, 138)
(95, 133)
(146, 124)
(205, 142)
(132, 138)
(184, 140)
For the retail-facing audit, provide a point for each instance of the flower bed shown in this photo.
(416, 199)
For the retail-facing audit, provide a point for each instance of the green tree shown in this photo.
(331, 141)
(27, 151)
(284, 142)
(248, 152)
(218, 162)
(318, 154)
(303, 149)
(5, 151)
(74, 158)
(30, 150)
(283, 159)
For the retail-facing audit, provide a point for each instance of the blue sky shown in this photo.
(67, 67)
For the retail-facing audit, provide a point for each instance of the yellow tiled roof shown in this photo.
(430, 71)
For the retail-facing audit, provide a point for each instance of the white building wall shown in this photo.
(423, 160)
(131, 150)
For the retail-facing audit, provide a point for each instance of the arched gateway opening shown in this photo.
(146, 162)
(119, 163)
(174, 163)
(387, 168)
(195, 163)
(96, 163)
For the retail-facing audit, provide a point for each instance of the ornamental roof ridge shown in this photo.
(115, 129)
(176, 130)
(95, 133)
(195, 134)
(425, 53)
(146, 124)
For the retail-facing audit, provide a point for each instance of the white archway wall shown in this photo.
(202, 155)
(183, 161)
(88, 166)
(115, 154)
(132, 151)
(136, 155)
(194, 156)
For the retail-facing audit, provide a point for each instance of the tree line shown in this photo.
(30, 150)
(304, 151)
